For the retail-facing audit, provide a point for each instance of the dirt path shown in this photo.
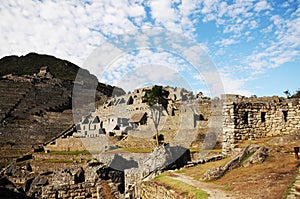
(213, 190)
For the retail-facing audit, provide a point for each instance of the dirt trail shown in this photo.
(213, 190)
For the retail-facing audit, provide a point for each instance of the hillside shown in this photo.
(31, 63)
(35, 108)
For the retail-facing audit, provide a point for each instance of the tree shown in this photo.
(287, 93)
(156, 99)
(297, 94)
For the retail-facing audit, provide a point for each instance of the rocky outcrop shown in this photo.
(253, 154)
(162, 158)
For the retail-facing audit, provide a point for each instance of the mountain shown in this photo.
(31, 63)
(37, 106)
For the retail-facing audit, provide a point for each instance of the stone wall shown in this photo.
(250, 118)
(152, 190)
(76, 191)
(65, 144)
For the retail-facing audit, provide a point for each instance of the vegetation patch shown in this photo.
(58, 161)
(83, 152)
(227, 188)
(288, 190)
(137, 150)
(180, 187)
(248, 156)
(197, 150)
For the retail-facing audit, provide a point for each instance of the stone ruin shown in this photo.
(250, 118)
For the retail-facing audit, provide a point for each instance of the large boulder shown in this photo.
(166, 157)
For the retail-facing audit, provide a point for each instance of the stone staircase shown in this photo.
(295, 190)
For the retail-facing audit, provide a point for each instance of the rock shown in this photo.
(39, 181)
(252, 154)
(258, 157)
(166, 157)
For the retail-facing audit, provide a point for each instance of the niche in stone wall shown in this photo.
(263, 116)
(284, 116)
(245, 117)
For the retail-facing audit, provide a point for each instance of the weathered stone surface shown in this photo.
(162, 158)
(258, 157)
(253, 154)
(251, 118)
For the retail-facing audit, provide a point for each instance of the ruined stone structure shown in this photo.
(153, 190)
(250, 118)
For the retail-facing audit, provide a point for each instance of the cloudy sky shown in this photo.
(254, 45)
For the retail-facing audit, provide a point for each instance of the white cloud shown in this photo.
(262, 5)
(226, 42)
(253, 24)
(73, 29)
(284, 48)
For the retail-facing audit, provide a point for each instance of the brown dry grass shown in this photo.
(267, 180)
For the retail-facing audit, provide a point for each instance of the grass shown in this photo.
(288, 190)
(137, 150)
(196, 149)
(180, 187)
(58, 161)
(197, 171)
(227, 188)
(248, 156)
(69, 152)
(10, 156)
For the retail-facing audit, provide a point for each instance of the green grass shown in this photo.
(10, 156)
(180, 187)
(288, 190)
(248, 156)
(196, 149)
(69, 152)
(227, 188)
(137, 150)
(58, 161)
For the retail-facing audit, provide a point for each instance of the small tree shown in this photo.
(155, 98)
(287, 93)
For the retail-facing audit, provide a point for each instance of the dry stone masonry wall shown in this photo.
(250, 118)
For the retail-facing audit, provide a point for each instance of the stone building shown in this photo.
(250, 118)
(138, 119)
(43, 71)
(90, 126)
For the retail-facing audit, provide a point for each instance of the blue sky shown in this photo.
(254, 45)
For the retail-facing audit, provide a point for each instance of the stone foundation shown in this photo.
(152, 190)
(75, 191)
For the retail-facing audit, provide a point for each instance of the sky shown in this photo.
(248, 47)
